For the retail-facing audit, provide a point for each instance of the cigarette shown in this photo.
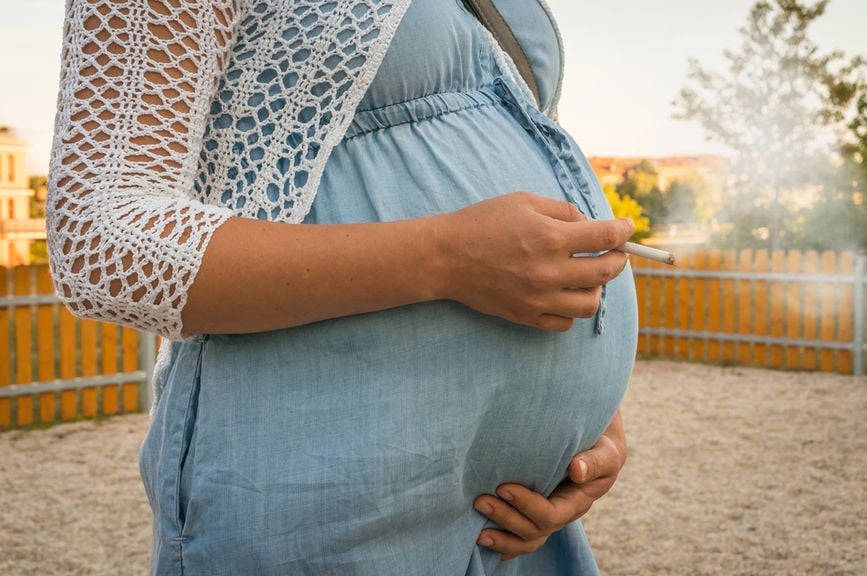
(649, 253)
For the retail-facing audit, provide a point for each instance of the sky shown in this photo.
(626, 61)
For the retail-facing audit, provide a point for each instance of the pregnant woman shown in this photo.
(354, 350)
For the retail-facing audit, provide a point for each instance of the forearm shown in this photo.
(258, 275)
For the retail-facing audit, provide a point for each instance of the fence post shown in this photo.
(148, 357)
(858, 353)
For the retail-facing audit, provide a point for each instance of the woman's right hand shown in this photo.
(510, 256)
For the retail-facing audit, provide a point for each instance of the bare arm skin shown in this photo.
(259, 275)
(508, 256)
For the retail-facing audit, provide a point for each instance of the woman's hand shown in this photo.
(510, 256)
(528, 518)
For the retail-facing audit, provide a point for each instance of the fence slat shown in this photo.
(745, 306)
(5, 354)
(793, 310)
(845, 313)
(68, 361)
(760, 315)
(728, 263)
(698, 312)
(46, 345)
(670, 304)
(109, 366)
(829, 314)
(654, 314)
(811, 311)
(778, 318)
(684, 291)
(89, 399)
(641, 296)
(23, 346)
(130, 363)
(713, 306)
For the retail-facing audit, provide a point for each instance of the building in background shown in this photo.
(612, 169)
(18, 229)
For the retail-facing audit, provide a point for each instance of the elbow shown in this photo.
(71, 283)
(88, 282)
(93, 286)
(127, 259)
(63, 276)
(81, 267)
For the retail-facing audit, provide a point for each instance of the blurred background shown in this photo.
(734, 134)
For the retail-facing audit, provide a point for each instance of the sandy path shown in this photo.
(731, 471)
(738, 471)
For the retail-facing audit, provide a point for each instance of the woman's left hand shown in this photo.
(528, 518)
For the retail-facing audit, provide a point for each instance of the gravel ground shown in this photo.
(731, 471)
(738, 471)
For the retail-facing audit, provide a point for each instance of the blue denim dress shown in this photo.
(356, 445)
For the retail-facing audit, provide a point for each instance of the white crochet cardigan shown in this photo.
(174, 115)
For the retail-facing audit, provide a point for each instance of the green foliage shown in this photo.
(691, 199)
(837, 223)
(839, 219)
(641, 184)
(694, 199)
(38, 252)
(626, 207)
(788, 112)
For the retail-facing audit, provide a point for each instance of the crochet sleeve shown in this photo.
(125, 233)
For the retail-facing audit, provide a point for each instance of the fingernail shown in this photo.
(505, 495)
(629, 221)
(484, 508)
(582, 465)
(485, 541)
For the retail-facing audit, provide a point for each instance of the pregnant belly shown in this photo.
(363, 441)
(312, 443)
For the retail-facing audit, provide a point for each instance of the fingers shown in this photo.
(599, 235)
(527, 517)
(508, 517)
(582, 303)
(529, 514)
(590, 272)
(557, 209)
(554, 322)
(566, 503)
(575, 293)
(508, 545)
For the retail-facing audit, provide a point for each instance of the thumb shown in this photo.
(584, 467)
(600, 461)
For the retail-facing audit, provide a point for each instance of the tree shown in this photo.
(626, 207)
(641, 183)
(776, 107)
(681, 202)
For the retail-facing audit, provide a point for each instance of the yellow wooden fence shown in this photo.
(780, 310)
(80, 368)
(790, 310)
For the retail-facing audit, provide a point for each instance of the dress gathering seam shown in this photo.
(413, 99)
(417, 120)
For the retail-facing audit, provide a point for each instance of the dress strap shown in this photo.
(490, 17)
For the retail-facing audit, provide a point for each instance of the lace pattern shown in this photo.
(174, 115)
